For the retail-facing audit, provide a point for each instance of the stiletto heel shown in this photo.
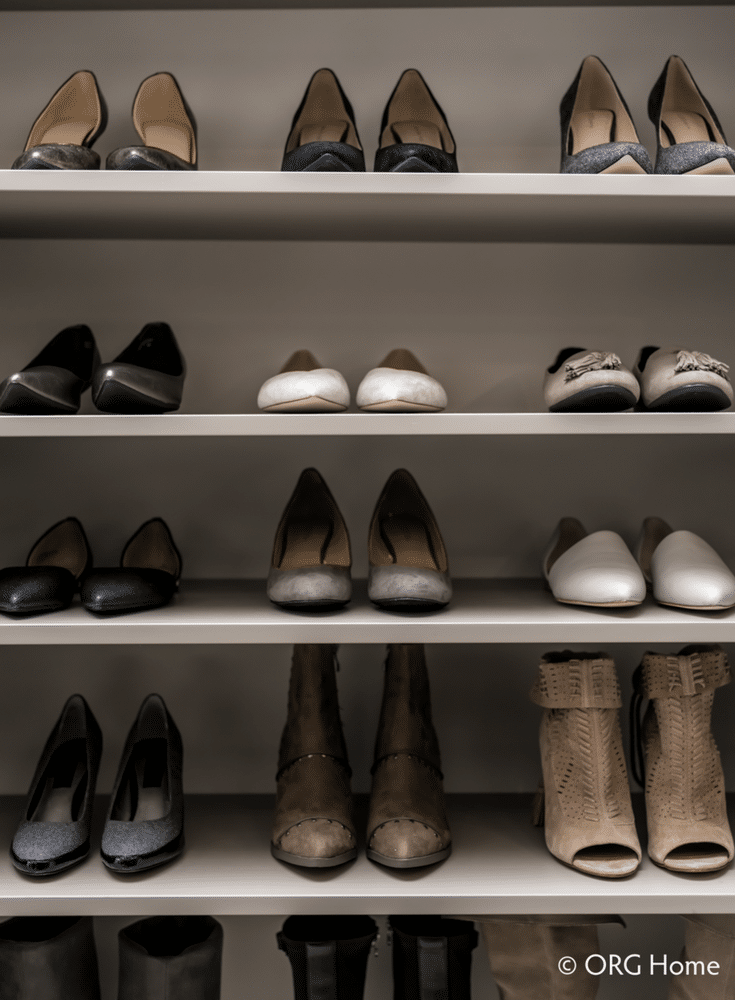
(62, 135)
(323, 134)
(689, 136)
(597, 132)
(165, 123)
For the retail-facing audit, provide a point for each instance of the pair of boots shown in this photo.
(314, 824)
(529, 956)
(161, 958)
(431, 958)
(585, 802)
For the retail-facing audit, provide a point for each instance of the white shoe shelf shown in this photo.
(363, 424)
(269, 205)
(499, 864)
(482, 611)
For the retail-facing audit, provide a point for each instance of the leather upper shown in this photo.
(598, 569)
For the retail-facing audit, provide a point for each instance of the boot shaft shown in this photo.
(328, 955)
(313, 724)
(432, 958)
(171, 958)
(708, 938)
(48, 958)
(405, 724)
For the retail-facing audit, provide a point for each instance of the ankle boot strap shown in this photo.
(577, 683)
(682, 676)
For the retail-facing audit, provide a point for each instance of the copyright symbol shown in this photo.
(567, 965)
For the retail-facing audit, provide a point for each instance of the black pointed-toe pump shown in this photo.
(323, 134)
(414, 134)
(165, 123)
(63, 134)
(56, 565)
(147, 377)
(53, 382)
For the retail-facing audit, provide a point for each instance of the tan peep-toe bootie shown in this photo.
(584, 803)
(688, 830)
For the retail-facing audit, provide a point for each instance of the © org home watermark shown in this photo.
(638, 965)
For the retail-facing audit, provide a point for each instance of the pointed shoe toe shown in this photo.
(414, 133)
(166, 126)
(323, 134)
(118, 590)
(400, 384)
(302, 386)
(53, 382)
(146, 377)
(316, 843)
(684, 570)
(33, 590)
(597, 570)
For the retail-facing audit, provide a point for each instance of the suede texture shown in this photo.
(708, 938)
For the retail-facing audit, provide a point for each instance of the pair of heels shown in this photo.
(145, 819)
(400, 384)
(310, 567)
(76, 116)
(598, 135)
(146, 377)
(60, 563)
(667, 380)
(599, 570)
(414, 134)
(584, 801)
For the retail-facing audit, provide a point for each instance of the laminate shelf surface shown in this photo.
(364, 424)
(29, 5)
(500, 610)
(397, 207)
(499, 864)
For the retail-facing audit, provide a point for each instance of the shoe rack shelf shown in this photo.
(481, 611)
(257, 205)
(499, 864)
(365, 424)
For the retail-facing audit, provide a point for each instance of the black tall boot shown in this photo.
(432, 958)
(171, 958)
(48, 958)
(328, 955)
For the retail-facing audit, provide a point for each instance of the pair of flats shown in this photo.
(400, 384)
(584, 801)
(598, 135)
(663, 379)
(62, 136)
(310, 567)
(60, 563)
(146, 377)
(145, 819)
(599, 570)
(414, 134)
(314, 822)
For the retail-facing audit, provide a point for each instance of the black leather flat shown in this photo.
(54, 381)
(62, 135)
(53, 833)
(145, 821)
(147, 377)
(165, 123)
(414, 134)
(51, 575)
(148, 575)
(323, 134)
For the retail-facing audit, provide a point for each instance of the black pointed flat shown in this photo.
(147, 377)
(323, 134)
(165, 123)
(145, 821)
(148, 575)
(53, 833)
(51, 575)
(54, 381)
(414, 134)
(62, 135)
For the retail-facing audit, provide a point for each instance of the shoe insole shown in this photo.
(306, 541)
(144, 790)
(687, 126)
(63, 546)
(326, 131)
(71, 115)
(161, 120)
(591, 128)
(408, 542)
(425, 133)
(59, 798)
